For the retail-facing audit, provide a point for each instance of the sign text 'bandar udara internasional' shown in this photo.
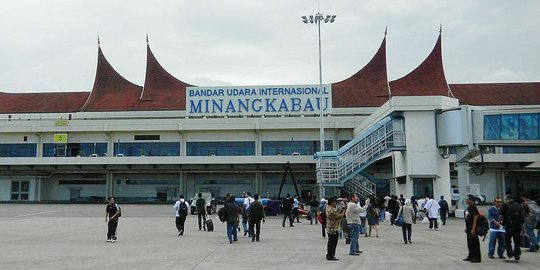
(258, 100)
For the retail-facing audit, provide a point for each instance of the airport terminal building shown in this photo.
(153, 142)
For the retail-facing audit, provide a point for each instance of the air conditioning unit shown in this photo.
(120, 155)
(94, 155)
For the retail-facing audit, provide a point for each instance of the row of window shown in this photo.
(524, 126)
(234, 148)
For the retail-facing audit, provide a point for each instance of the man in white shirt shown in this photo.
(432, 210)
(181, 209)
(245, 213)
(296, 205)
(353, 221)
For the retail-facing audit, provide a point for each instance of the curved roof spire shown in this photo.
(428, 79)
(161, 91)
(111, 91)
(368, 87)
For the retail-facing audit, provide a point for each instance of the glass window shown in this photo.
(528, 126)
(492, 127)
(147, 148)
(24, 196)
(221, 148)
(509, 126)
(76, 149)
(15, 186)
(270, 148)
(18, 150)
(520, 149)
(15, 196)
(24, 186)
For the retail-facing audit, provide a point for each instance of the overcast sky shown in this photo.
(52, 45)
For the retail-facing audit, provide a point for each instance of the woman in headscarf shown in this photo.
(408, 215)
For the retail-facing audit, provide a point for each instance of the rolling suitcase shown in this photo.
(209, 225)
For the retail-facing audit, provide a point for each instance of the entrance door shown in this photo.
(423, 187)
(74, 194)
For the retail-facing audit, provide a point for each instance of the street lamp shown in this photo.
(317, 19)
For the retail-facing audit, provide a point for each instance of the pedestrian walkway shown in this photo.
(74, 237)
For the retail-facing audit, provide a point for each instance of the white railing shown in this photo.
(336, 167)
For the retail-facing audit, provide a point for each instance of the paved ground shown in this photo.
(73, 237)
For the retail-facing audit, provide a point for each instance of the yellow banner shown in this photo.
(60, 138)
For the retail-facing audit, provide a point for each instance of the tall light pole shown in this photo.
(317, 19)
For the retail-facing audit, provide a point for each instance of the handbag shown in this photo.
(400, 220)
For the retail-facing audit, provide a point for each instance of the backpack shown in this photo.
(482, 226)
(513, 215)
(182, 209)
(534, 211)
(222, 214)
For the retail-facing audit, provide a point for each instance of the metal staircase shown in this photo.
(343, 168)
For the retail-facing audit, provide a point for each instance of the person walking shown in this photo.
(512, 217)
(201, 211)
(496, 230)
(113, 212)
(414, 204)
(287, 208)
(333, 218)
(473, 243)
(181, 211)
(232, 219)
(382, 203)
(393, 208)
(401, 200)
(256, 214)
(314, 205)
(322, 214)
(373, 217)
(443, 209)
(295, 213)
(352, 215)
(408, 216)
(531, 212)
(431, 208)
(245, 213)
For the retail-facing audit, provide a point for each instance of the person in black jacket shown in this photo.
(256, 214)
(287, 208)
(473, 243)
(232, 219)
(393, 208)
(512, 217)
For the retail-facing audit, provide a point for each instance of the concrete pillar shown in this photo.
(258, 144)
(258, 183)
(110, 145)
(39, 150)
(37, 195)
(182, 184)
(109, 185)
(463, 182)
(183, 144)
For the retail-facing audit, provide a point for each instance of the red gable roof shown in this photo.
(427, 79)
(486, 94)
(368, 87)
(111, 92)
(42, 102)
(161, 90)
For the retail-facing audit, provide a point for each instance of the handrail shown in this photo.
(336, 167)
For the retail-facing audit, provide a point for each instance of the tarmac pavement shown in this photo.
(44, 236)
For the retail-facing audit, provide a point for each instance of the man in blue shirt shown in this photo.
(496, 230)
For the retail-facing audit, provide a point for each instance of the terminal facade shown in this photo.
(152, 143)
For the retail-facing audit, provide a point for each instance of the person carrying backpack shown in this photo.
(181, 209)
(232, 218)
(512, 217)
(471, 222)
(532, 214)
(256, 214)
